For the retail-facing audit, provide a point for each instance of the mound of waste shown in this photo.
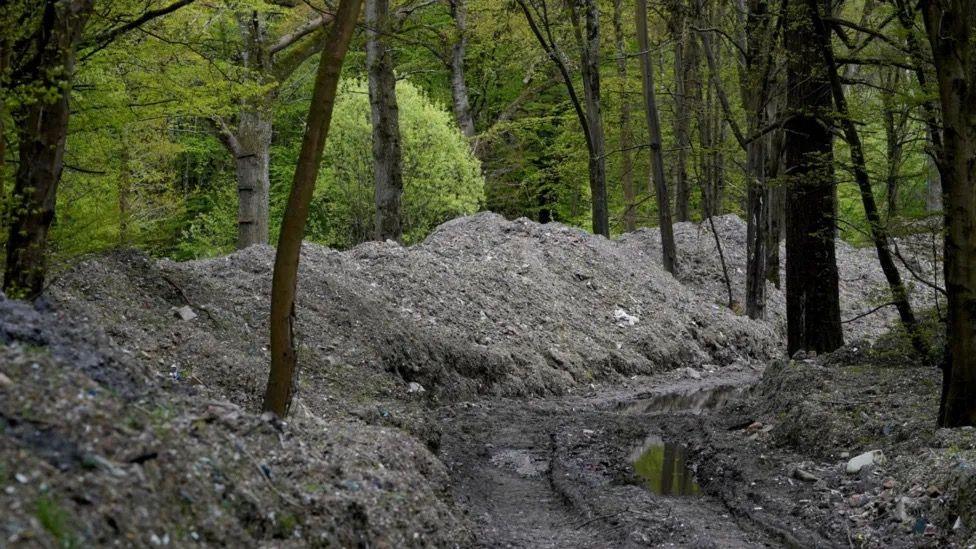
(96, 450)
(862, 284)
(483, 306)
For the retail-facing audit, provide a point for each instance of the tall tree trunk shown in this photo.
(684, 51)
(950, 27)
(627, 160)
(879, 233)
(812, 297)
(668, 251)
(459, 87)
(283, 377)
(933, 180)
(252, 162)
(589, 43)
(387, 157)
(592, 129)
(125, 197)
(42, 131)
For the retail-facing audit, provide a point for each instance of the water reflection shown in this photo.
(664, 468)
(694, 401)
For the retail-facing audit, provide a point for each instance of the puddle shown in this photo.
(664, 469)
(693, 401)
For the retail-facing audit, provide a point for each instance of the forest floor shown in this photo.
(503, 384)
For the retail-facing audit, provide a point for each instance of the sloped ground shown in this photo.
(862, 284)
(123, 421)
(98, 451)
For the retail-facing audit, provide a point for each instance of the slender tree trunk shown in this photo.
(252, 165)
(42, 131)
(627, 160)
(933, 181)
(812, 297)
(125, 197)
(459, 88)
(683, 60)
(594, 142)
(668, 251)
(589, 43)
(283, 377)
(387, 156)
(879, 233)
(950, 27)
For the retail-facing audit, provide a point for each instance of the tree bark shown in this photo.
(596, 162)
(668, 251)
(684, 53)
(42, 131)
(812, 297)
(387, 155)
(879, 233)
(626, 160)
(459, 87)
(950, 27)
(252, 162)
(283, 377)
(589, 44)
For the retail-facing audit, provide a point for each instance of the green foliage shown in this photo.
(442, 178)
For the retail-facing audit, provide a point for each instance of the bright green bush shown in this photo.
(442, 178)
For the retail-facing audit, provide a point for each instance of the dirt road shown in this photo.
(560, 473)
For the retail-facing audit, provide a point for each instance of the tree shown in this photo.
(668, 251)
(879, 233)
(267, 62)
(951, 29)
(626, 136)
(591, 121)
(387, 156)
(812, 295)
(283, 376)
(42, 64)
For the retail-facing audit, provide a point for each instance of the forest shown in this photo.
(488, 273)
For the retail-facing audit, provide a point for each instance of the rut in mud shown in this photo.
(582, 472)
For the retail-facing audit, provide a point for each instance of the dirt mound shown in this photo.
(483, 306)
(94, 451)
(862, 284)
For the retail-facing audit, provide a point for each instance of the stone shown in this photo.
(805, 476)
(184, 313)
(5, 381)
(624, 319)
(414, 387)
(693, 373)
(867, 459)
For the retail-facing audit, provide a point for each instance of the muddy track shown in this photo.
(558, 472)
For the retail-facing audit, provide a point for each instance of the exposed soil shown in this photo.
(492, 386)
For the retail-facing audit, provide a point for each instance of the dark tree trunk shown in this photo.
(42, 131)
(283, 377)
(951, 28)
(590, 121)
(627, 160)
(685, 53)
(459, 88)
(812, 298)
(879, 233)
(668, 251)
(387, 157)
(589, 43)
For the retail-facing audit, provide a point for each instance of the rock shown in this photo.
(415, 387)
(693, 373)
(754, 427)
(958, 525)
(933, 492)
(901, 510)
(184, 313)
(624, 319)
(867, 459)
(5, 381)
(888, 483)
(805, 476)
(858, 500)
